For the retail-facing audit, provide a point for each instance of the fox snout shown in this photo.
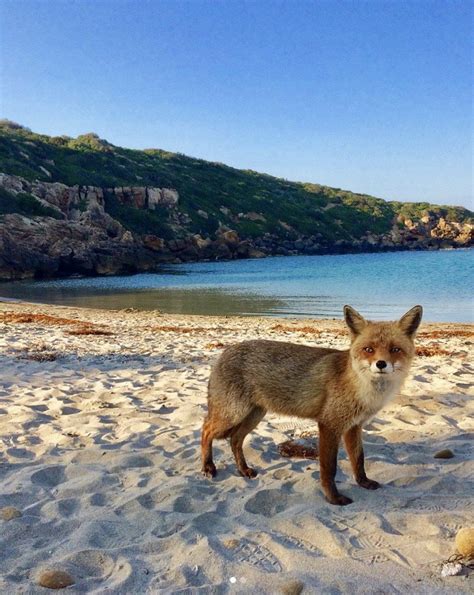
(379, 365)
(382, 366)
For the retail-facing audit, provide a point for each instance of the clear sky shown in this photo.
(372, 96)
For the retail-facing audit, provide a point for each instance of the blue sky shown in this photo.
(372, 96)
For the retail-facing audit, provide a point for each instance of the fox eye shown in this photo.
(395, 350)
(368, 350)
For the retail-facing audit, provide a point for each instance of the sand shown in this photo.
(100, 427)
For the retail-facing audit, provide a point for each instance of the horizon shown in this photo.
(373, 98)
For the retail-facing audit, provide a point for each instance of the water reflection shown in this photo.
(174, 301)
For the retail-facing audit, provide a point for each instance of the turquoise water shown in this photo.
(381, 285)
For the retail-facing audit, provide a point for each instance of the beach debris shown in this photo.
(444, 454)
(431, 351)
(41, 356)
(294, 587)
(302, 448)
(55, 579)
(458, 563)
(89, 329)
(465, 542)
(214, 345)
(7, 513)
(32, 318)
(451, 569)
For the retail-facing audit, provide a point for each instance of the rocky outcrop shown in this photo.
(142, 197)
(47, 247)
(84, 239)
(72, 200)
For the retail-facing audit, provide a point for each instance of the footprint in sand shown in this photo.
(267, 502)
(49, 477)
(65, 507)
(369, 556)
(90, 564)
(132, 462)
(167, 525)
(210, 523)
(98, 499)
(69, 410)
(107, 534)
(282, 474)
(291, 542)
(371, 541)
(20, 453)
(188, 505)
(244, 550)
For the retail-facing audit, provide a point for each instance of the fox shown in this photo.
(340, 389)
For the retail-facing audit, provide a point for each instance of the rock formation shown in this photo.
(82, 238)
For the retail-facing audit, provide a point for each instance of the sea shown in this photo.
(379, 285)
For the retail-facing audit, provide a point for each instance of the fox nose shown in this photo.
(381, 364)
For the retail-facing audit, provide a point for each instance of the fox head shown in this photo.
(382, 347)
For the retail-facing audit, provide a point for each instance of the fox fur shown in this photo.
(341, 390)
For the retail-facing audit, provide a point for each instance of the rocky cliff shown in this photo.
(84, 207)
(79, 236)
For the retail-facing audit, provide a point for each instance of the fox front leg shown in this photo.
(355, 450)
(328, 447)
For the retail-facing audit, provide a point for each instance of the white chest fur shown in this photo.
(376, 391)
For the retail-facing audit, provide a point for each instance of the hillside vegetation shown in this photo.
(210, 194)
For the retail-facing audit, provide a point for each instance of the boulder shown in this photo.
(154, 243)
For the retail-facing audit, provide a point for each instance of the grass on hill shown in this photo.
(225, 194)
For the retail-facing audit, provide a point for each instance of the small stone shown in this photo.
(444, 454)
(55, 579)
(7, 513)
(465, 542)
(231, 544)
(292, 588)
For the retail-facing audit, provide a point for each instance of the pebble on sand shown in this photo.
(231, 544)
(7, 513)
(465, 542)
(55, 579)
(292, 588)
(444, 454)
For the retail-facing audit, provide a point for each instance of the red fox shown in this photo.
(341, 390)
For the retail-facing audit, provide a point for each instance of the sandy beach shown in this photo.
(100, 427)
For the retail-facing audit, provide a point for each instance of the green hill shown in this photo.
(221, 193)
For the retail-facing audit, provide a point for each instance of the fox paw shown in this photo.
(369, 484)
(339, 500)
(248, 472)
(209, 470)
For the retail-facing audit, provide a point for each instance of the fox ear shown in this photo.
(410, 321)
(354, 320)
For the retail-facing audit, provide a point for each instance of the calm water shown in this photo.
(380, 285)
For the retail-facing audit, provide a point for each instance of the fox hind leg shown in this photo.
(217, 428)
(250, 421)
(211, 430)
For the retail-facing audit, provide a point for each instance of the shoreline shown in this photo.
(380, 285)
(290, 319)
(179, 262)
(100, 428)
